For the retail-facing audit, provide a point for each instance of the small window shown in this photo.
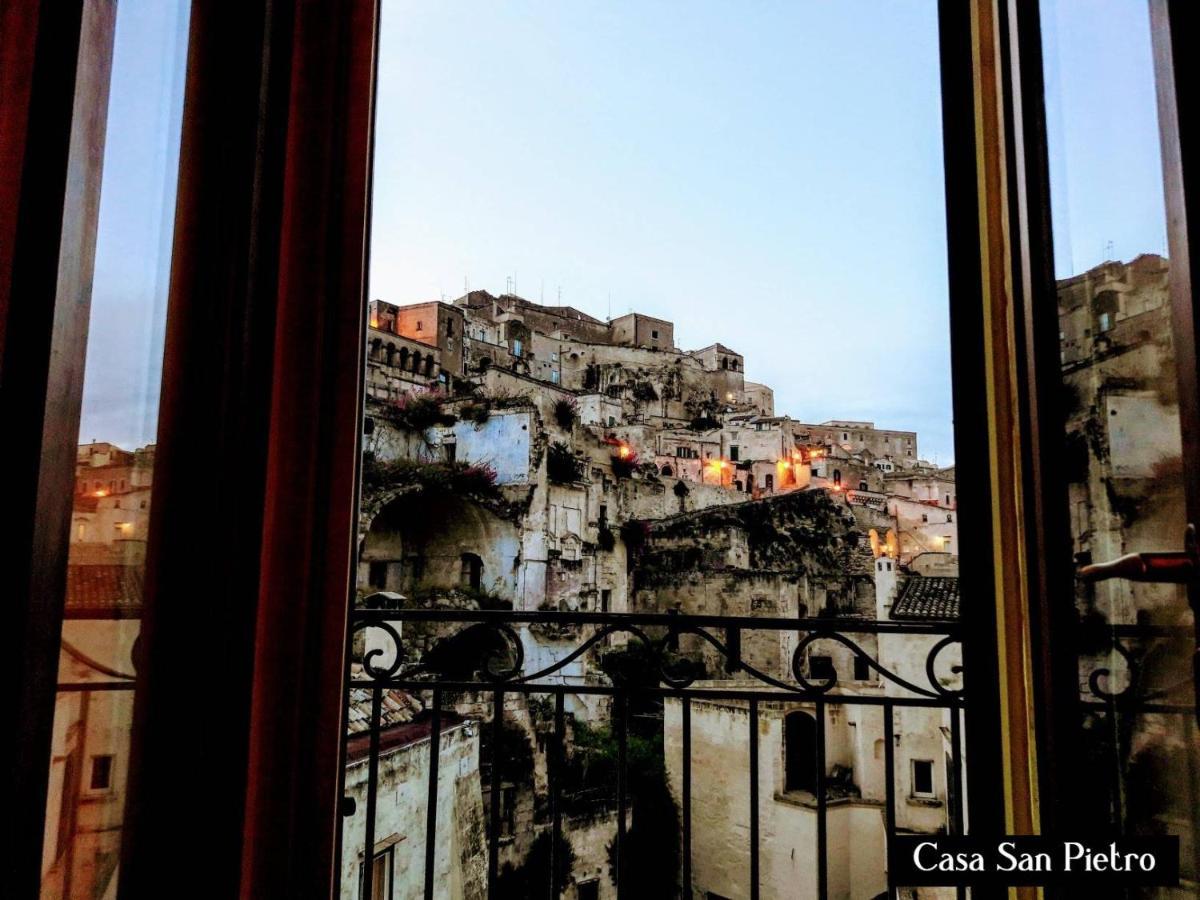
(734, 450)
(517, 347)
(381, 876)
(420, 325)
(605, 599)
(922, 778)
(554, 376)
(101, 773)
(449, 326)
(588, 890)
(924, 517)
(862, 670)
(654, 334)
(769, 482)
(377, 574)
(821, 667)
(949, 518)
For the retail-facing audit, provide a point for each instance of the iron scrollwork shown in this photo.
(492, 652)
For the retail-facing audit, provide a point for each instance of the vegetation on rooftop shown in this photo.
(473, 480)
(562, 465)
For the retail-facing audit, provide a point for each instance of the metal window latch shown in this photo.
(1163, 567)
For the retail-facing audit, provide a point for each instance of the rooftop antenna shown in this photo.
(508, 284)
(560, 295)
(1108, 250)
(610, 306)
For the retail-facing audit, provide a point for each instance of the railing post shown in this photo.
(435, 748)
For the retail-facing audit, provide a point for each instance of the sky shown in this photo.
(767, 175)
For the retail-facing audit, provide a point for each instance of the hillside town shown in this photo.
(534, 458)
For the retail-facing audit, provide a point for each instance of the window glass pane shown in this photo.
(115, 458)
(1122, 426)
(681, 274)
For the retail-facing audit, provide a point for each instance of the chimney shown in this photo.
(886, 576)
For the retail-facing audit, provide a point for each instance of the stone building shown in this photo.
(853, 753)
(398, 855)
(102, 610)
(538, 458)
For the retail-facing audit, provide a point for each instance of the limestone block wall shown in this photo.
(461, 857)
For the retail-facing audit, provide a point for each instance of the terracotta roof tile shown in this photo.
(928, 598)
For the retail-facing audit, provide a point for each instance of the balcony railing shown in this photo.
(482, 652)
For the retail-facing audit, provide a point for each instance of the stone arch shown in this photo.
(666, 471)
(403, 357)
(416, 361)
(391, 353)
(429, 365)
(419, 541)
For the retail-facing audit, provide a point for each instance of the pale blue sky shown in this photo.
(768, 175)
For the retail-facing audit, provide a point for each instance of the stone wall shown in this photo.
(403, 781)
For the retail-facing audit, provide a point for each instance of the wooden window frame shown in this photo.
(272, 212)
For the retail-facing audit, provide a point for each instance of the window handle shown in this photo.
(1167, 566)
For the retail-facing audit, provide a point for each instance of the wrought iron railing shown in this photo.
(484, 653)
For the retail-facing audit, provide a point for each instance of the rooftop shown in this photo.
(928, 599)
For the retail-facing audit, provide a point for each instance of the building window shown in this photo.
(471, 571)
(800, 752)
(517, 347)
(554, 376)
(377, 574)
(821, 667)
(654, 334)
(603, 513)
(605, 599)
(101, 773)
(420, 325)
(769, 482)
(1105, 322)
(381, 876)
(862, 669)
(924, 517)
(922, 778)
(588, 890)
(734, 450)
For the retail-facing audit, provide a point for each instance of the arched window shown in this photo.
(837, 476)
(391, 354)
(800, 752)
(416, 361)
(724, 363)
(429, 365)
(471, 571)
(666, 471)
(375, 345)
(403, 357)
